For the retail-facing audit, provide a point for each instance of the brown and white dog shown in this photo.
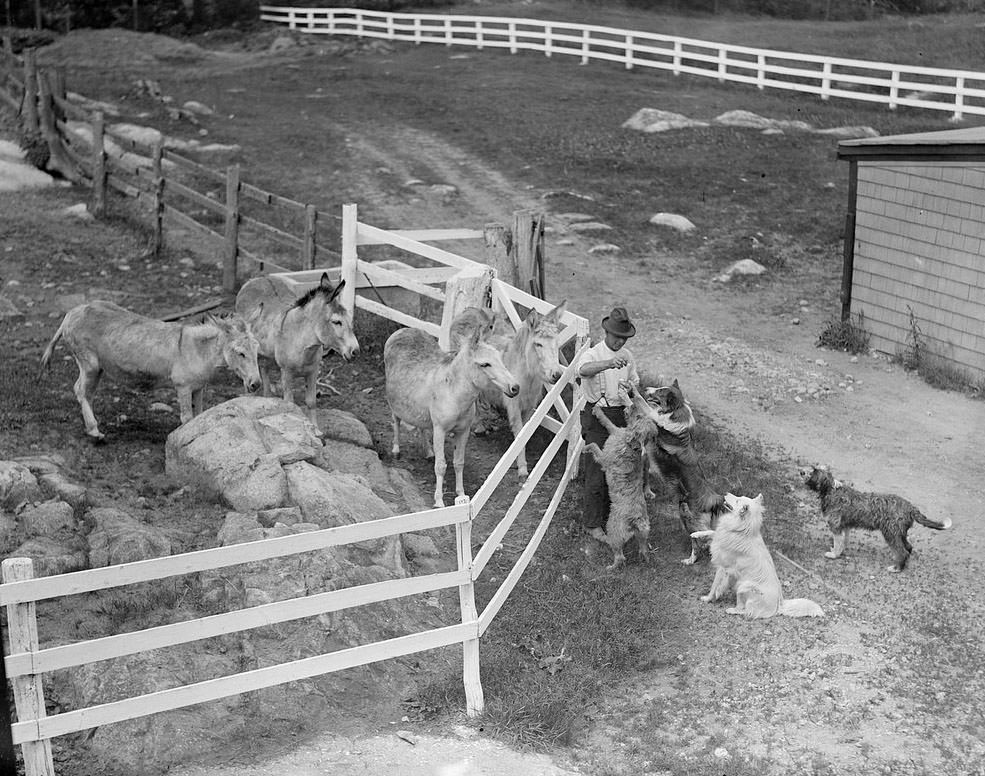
(672, 453)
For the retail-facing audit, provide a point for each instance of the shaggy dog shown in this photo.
(846, 508)
(743, 563)
(622, 460)
(672, 453)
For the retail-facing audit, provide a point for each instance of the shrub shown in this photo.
(849, 336)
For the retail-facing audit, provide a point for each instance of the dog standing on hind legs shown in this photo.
(622, 460)
(845, 508)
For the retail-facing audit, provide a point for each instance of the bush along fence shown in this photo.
(957, 91)
(244, 224)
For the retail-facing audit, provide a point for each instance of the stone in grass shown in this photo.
(605, 248)
(743, 267)
(674, 221)
(589, 226)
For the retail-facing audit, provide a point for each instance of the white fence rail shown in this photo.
(957, 91)
(27, 661)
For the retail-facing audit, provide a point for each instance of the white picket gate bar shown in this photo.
(957, 91)
(28, 662)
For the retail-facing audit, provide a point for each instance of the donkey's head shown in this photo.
(330, 318)
(487, 363)
(239, 346)
(542, 342)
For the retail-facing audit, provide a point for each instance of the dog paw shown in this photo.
(734, 610)
(707, 598)
(597, 533)
(894, 569)
(831, 555)
(689, 561)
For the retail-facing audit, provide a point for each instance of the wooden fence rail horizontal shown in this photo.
(958, 91)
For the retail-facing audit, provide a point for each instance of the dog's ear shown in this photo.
(758, 500)
(677, 385)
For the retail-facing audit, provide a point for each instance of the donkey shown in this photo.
(428, 388)
(106, 338)
(530, 353)
(295, 333)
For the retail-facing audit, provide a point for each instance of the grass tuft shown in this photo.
(917, 356)
(849, 336)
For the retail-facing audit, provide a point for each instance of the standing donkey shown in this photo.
(531, 355)
(105, 338)
(295, 333)
(428, 388)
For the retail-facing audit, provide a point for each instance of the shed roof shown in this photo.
(966, 144)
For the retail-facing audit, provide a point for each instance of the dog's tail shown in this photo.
(800, 607)
(921, 518)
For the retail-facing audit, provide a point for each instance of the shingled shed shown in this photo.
(915, 242)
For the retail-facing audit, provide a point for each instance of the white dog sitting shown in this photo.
(743, 562)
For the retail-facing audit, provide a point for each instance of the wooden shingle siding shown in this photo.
(919, 244)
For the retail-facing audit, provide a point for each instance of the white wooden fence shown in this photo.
(958, 91)
(27, 661)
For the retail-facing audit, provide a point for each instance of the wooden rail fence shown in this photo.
(957, 91)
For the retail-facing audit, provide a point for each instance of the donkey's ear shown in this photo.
(558, 311)
(476, 336)
(676, 384)
(338, 288)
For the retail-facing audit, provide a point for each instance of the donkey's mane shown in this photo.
(309, 295)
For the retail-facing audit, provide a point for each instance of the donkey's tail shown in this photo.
(800, 607)
(46, 356)
(921, 518)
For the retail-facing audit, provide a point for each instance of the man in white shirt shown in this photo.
(600, 370)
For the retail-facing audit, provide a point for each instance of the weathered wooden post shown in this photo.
(98, 204)
(28, 691)
(471, 287)
(528, 251)
(30, 116)
(229, 269)
(59, 160)
(499, 256)
(158, 168)
(309, 245)
(474, 701)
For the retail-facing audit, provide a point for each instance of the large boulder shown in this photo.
(236, 449)
(47, 518)
(53, 556)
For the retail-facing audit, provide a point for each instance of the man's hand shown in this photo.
(618, 362)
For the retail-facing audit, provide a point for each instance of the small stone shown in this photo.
(795, 321)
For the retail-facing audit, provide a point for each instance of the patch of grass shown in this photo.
(917, 356)
(849, 336)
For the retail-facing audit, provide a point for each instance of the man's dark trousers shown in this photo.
(595, 492)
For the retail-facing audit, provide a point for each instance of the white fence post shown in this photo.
(581, 340)
(22, 627)
(722, 64)
(447, 30)
(478, 34)
(629, 52)
(547, 40)
(512, 37)
(350, 228)
(474, 701)
(677, 57)
(894, 90)
(585, 38)
(826, 81)
(958, 98)
(417, 30)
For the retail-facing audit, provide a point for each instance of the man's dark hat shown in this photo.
(617, 322)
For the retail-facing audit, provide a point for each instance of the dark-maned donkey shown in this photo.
(296, 332)
(435, 392)
(531, 355)
(105, 338)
